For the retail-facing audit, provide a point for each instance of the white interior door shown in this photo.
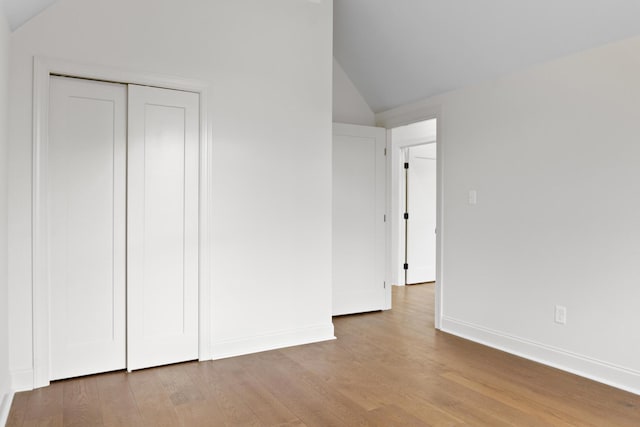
(162, 257)
(358, 219)
(421, 237)
(86, 170)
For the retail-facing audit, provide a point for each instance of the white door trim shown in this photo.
(407, 116)
(43, 68)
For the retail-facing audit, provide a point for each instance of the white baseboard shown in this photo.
(282, 339)
(22, 380)
(5, 407)
(597, 370)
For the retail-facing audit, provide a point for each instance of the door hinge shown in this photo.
(385, 218)
(406, 266)
(406, 165)
(385, 285)
(406, 215)
(385, 151)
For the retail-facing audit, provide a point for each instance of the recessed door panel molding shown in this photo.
(358, 219)
(86, 167)
(162, 257)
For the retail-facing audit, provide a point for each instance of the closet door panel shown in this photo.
(162, 226)
(86, 170)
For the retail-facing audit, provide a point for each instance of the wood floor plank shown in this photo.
(18, 409)
(391, 415)
(269, 410)
(296, 423)
(153, 402)
(369, 388)
(181, 388)
(52, 421)
(201, 413)
(117, 402)
(520, 399)
(81, 403)
(45, 403)
(308, 403)
(231, 404)
(387, 368)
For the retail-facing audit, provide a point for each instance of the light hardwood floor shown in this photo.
(386, 369)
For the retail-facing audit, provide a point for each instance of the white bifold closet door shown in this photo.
(162, 241)
(122, 168)
(86, 167)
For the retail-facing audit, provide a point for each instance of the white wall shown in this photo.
(554, 155)
(348, 104)
(4, 330)
(269, 65)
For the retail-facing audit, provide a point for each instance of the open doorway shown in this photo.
(414, 203)
(419, 214)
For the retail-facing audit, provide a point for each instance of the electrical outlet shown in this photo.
(561, 314)
(473, 197)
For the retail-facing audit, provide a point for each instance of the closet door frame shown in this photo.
(43, 69)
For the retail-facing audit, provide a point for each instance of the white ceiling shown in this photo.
(20, 11)
(399, 51)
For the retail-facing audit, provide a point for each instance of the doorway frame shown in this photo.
(398, 185)
(401, 117)
(43, 69)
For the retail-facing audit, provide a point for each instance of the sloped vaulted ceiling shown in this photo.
(399, 51)
(20, 11)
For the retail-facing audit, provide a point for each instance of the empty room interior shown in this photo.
(319, 213)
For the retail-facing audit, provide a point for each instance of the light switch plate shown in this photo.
(561, 315)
